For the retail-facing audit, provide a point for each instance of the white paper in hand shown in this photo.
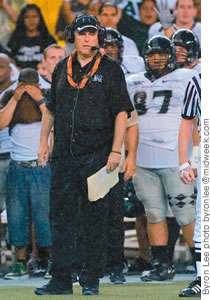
(100, 183)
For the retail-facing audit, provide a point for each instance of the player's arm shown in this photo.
(169, 31)
(119, 134)
(196, 142)
(131, 142)
(185, 133)
(166, 17)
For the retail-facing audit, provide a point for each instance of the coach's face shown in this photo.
(84, 40)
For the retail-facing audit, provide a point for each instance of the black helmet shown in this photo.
(114, 37)
(159, 44)
(188, 40)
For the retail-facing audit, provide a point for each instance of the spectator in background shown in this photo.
(27, 183)
(52, 55)
(138, 30)
(183, 17)
(71, 8)
(109, 16)
(50, 11)
(5, 143)
(68, 10)
(9, 11)
(93, 7)
(131, 7)
(30, 38)
(198, 10)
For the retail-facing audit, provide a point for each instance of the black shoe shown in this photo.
(90, 290)
(160, 272)
(193, 289)
(53, 288)
(140, 265)
(117, 278)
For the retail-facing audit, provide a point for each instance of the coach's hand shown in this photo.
(113, 161)
(43, 153)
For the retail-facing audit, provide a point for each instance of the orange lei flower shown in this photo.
(87, 76)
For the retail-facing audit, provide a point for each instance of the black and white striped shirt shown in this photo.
(192, 100)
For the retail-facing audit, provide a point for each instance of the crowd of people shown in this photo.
(95, 84)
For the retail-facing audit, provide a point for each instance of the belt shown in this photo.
(5, 155)
(29, 164)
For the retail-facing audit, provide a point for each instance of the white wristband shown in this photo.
(194, 157)
(184, 166)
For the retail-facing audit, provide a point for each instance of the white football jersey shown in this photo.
(157, 29)
(158, 103)
(130, 47)
(197, 67)
(132, 65)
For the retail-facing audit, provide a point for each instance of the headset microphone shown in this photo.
(95, 48)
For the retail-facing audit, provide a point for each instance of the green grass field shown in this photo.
(132, 291)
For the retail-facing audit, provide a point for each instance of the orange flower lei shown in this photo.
(87, 76)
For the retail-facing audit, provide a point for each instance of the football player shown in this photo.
(187, 49)
(130, 64)
(158, 98)
(114, 46)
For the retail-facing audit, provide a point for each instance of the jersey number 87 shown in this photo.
(140, 100)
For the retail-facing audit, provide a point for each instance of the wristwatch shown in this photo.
(41, 101)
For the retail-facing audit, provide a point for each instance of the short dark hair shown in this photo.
(140, 4)
(106, 4)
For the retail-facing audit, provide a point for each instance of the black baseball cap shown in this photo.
(28, 75)
(83, 22)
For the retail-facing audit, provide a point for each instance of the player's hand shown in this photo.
(34, 91)
(129, 167)
(187, 175)
(113, 162)
(43, 153)
(164, 15)
(19, 92)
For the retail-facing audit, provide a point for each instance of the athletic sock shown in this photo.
(160, 253)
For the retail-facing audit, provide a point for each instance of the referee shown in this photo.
(89, 106)
(191, 110)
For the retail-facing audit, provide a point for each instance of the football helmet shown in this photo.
(187, 39)
(159, 44)
(114, 37)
